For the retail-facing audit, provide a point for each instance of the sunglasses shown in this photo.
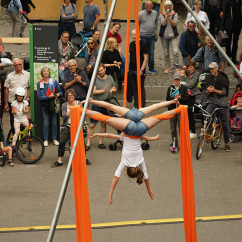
(90, 43)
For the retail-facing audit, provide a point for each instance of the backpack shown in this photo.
(5, 3)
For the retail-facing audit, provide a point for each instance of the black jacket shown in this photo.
(25, 4)
(184, 95)
(227, 20)
(219, 5)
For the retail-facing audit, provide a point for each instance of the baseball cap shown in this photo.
(213, 65)
(176, 76)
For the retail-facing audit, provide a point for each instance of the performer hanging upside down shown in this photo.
(132, 158)
(132, 125)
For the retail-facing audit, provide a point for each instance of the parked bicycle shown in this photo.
(29, 148)
(211, 131)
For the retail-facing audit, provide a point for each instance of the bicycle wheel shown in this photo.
(30, 149)
(216, 137)
(2, 157)
(200, 146)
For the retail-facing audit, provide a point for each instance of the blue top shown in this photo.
(89, 15)
(210, 55)
(44, 98)
(88, 56)
(14, 6)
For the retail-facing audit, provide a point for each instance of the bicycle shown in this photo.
(29, 148)
(209, 135)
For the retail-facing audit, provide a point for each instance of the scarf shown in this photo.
(64, 57)
(51, 87)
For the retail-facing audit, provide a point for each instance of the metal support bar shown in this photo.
(212, 38)
(82, 120)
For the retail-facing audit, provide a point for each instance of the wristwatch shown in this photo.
(92, 28)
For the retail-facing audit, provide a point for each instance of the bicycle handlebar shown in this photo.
(204, 112)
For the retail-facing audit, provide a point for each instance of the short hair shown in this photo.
(190, 63)
(207, 37)
(92, 39)
(72, 60)
(191, 21)
(102, 65)
(95, 30)
(65, 32)
(43, 69)
(109, 43)
(17, 59)
(116, 23)
(72, 91)
(196, 2)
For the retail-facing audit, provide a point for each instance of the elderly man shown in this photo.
(66, 52)
(147, 21)
(91, 18)
(77, 80)
(15, 79)
(144, 55)
(209, 53)
(217, 84)
(189, 42)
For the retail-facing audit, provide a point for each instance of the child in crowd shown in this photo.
(20, 109)
(238, 116)
(177, 90)
(132, 158)
(183, 76)
(6, 149)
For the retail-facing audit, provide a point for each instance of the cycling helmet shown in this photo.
(20, 91)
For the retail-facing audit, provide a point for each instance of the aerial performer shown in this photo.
(133, 130)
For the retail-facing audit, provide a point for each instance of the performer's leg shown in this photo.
(155, 106)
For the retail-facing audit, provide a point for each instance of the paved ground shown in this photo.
(29, 192)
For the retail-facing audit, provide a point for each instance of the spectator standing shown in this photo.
(76, 80)
(200, 14)
(208, 54)
(168, 34)
(48, 88)
(232, 22)
(147, 20)
(105, 86)
(215, 13)
(68, 14)
(90, 56)
(177, 90)
(91, 18)
(15, 79)
(26, 11)
(188, 44)
(66, 52)
(14, 10)
(113, 32)
(156, 7)
(144, 56)
(191, 85)
(217, 84)
(112, 61)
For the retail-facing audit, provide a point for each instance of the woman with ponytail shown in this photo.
(132, 158)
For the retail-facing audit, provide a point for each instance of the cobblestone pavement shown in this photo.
(160, 79)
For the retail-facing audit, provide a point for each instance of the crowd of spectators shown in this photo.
(194, 45)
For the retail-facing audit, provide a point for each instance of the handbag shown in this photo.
(53, 105)
(222, 38)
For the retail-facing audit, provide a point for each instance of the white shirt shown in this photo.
(132, 156)
(20, 116)
(202, 16)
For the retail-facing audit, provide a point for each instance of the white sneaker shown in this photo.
(193, 136)
(45, 143)
(55, 142)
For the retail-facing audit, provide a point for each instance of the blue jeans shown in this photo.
(122, 67)
(62, 74)
(156, 7)
(86, 34)
(185, 60)
(150, 41)
(46, 119)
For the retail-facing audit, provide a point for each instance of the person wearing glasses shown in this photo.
(15, 79)
(188, 44)
(91, 56)
(77, 80)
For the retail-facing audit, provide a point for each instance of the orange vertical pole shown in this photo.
(127, 55)
(137, 51)
(80, 182)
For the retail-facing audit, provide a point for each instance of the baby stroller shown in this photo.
(234, 132)
(113, 146)
(80, 43)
